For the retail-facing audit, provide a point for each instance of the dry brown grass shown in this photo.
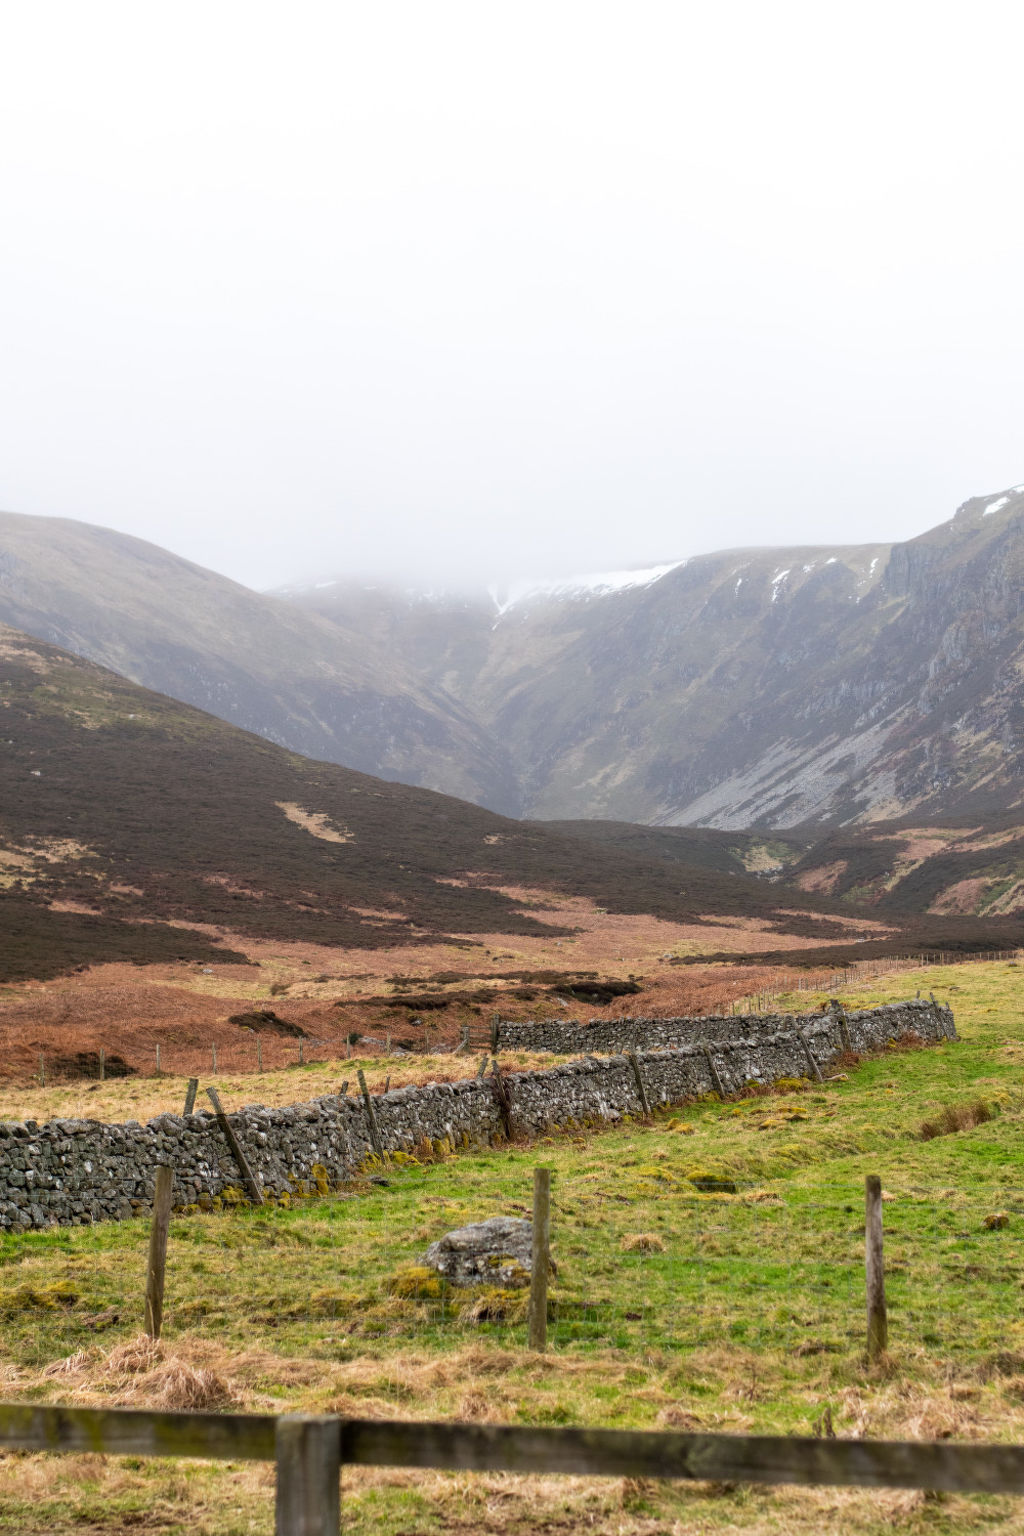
(186, 1009)
(140, 1372)
(956, 1117)
(642, 1242)
(484, 1385)
(161, 996)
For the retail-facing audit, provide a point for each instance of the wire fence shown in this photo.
(254, 1053)
(727, 1288)
(654, 1264)
(778, 1270)
(766, 999)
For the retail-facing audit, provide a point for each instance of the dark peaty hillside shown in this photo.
(325, 690)
(137, 808)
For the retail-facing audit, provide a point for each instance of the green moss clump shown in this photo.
(59, 1295)
(416, 1281)
(494, 1304)
(650, 1172)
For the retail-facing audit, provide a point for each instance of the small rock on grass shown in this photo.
(496, 1252)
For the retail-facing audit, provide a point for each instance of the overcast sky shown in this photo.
(487, 290)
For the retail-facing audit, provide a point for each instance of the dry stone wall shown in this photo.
(564, 1037)
(82, 1171)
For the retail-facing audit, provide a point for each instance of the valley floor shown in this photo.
(421, 994)
(710, 1275)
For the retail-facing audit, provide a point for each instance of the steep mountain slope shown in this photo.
(321, 689)
(767, 688)
(941, 868)
(125, 807)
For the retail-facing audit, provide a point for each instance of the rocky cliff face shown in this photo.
(760, 687)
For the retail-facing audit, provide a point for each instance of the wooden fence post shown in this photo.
(641, 1087)
(259, 1054)
(213, 1052)
(503, 1100)
(371, 1118)
(308, 1500)
(878, 1323)
(844, 1030)
(103, 1064)
(158, 1251)
(816, 1070)
(190, 1096)
(255, 1192)
(713, 1070)
(540, 1260)
(42, 1071)
(494, 1034)
(158, 1068)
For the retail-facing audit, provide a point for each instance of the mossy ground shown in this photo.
(739, 1311)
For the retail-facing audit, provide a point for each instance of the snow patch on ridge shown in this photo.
(866, 580)
(581, 588)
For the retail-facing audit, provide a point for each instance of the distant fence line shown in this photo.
(250, 1053)
(859, 971)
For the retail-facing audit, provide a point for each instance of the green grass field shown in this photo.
(735, 1310)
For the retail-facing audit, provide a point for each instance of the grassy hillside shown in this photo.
(943, 869)
(735, 1311)
(947, 888)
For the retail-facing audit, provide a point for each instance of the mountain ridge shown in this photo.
(750, 688)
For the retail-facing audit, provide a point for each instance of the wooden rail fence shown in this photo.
(310, 1451)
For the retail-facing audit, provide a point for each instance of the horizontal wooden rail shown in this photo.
(135, 1432)
(964, 1468)
(642, 1453)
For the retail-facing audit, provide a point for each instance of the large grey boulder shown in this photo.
(494, 1252)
